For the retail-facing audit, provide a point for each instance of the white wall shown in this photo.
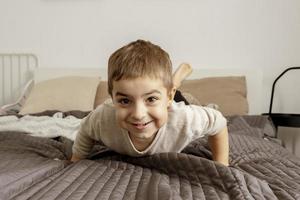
(207, 33)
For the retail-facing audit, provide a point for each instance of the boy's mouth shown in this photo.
(141, 125)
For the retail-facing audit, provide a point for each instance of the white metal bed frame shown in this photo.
(16, 70)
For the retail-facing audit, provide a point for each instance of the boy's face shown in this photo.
(141, 106)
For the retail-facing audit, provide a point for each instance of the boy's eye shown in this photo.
(124, 101)
(152, 99)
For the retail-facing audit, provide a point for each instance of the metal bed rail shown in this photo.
(16, 70)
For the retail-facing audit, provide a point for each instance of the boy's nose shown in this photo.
(139, 111)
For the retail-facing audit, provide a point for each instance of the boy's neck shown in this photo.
(140, 143)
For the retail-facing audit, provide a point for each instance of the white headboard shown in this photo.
(254, 78)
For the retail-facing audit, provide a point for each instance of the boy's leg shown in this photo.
(181, 73)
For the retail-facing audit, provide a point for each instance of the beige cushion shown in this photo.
(102, 93)
(229, 93)
(63, 94)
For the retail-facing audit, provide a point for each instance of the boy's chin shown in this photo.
(142, 136)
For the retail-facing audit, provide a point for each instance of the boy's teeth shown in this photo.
(140, 125)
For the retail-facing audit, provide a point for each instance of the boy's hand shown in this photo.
(220, 147)
(75, 158)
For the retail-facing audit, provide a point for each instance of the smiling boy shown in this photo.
(142, 118)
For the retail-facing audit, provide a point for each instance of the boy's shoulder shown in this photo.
(177, 109)
(180, 108)
(104, 112)
(106, 107)
(108, 103)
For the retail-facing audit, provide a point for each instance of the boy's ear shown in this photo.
(171, 95)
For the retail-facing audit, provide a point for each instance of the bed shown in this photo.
(36, 141)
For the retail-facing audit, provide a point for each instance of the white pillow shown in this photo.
(63, 94)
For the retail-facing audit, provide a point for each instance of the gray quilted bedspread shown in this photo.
(37, 168)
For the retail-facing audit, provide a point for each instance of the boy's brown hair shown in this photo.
(139, 59)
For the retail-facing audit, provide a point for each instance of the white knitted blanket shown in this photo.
(42, 126)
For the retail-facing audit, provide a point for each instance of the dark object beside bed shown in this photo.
(37, 168)
(282, 119)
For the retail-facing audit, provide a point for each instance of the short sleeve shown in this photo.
(205, 121)
(89, 132)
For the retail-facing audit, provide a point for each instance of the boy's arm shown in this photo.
(83, 143)
(82, 146)
(74, 158)
(210, 122)
(220, 147)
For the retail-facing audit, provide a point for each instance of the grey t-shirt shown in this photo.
(185, 124)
